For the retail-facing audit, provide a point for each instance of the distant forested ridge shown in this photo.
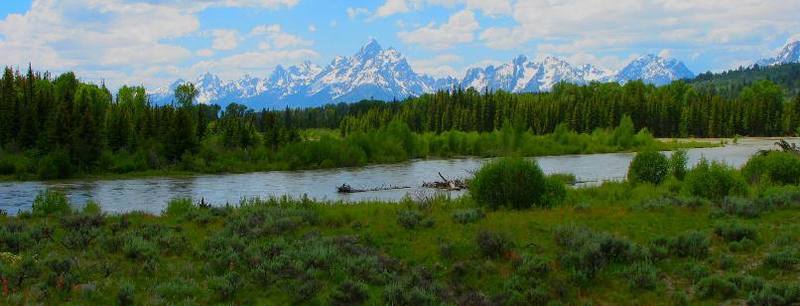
(730, 83)
(54, 126)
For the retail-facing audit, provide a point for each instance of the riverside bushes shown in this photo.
(777, 167)
(649, 167)
(515, 183)
(714, 180)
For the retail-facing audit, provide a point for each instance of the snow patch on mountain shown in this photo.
(790, 53)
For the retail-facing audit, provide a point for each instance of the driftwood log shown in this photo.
(784, 146)
(345, 188)
(447, 184)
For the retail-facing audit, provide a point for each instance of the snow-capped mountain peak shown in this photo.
(790, 53)
(385, 74)
(654, 69)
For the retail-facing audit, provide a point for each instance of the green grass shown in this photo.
(277, 251)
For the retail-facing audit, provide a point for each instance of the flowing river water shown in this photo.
(152, 194)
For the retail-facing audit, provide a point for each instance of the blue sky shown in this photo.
(153, 42)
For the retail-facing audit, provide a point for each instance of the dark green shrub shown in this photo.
(49, 203)
(125, 295)
(739, 207)
(734, 231)
(694, 271)
(179, 207)
(714, 181)
(716, 286)
(642, 275)
(492, 244)
(55, 165)
(349, 293)
(226, 286)
(411, 219)
(139, 249)
(726, 262)
(7, 166)
(418, 288)
(648, 167)
(778, 167)
(677, 163)
(785, 260)
(585, 252)
(470, 215)
(515, 183)
(690, 244)
(775, 295)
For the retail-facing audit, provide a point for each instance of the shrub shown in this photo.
(785, 260)
(642, 275)
(778, 294)
(177, 290)
(411, 219)
(714, 181)
(733, 231)
(92, 208)
(55, 165)
(515, 183)
(716, 286)
(349, 293)
(50, 202)
(225, 286)
(493, 245)
(585, 252)
(179, 207)
(739, 207)
(125, 295)
(694, 271)
(470, 215)
(677, 163)
(778, 167)
(691, 244)
(139, 249)
(648, 167)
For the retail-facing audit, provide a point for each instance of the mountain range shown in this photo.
(385, 74)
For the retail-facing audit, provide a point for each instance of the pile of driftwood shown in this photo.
(345, 188)
(451, 184)
(785, 147)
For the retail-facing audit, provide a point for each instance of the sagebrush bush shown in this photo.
(785, 260)
(49, 203)
(714, 181)
(734, 231)
(515, 183)
(716, 286)
(649, 167)
(738, 207)
(642, 275)
(470, 215)
(411, 219)
(691, 244)
(493, 244)
(349, 293)
(778, 167)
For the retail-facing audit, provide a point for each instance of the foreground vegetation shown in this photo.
(678, 236)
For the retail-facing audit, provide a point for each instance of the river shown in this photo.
(152, 194)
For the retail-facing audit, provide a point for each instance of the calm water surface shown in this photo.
(152, 194)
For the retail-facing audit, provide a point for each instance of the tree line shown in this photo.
(678, 109)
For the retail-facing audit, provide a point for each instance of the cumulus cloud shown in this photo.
(224, 39)
(129, 42)
(274, 36)
(253, 62)
(491, 8)
(354, 12)
(460, 28)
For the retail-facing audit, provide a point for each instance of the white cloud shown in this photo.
(488, 7)
(254, 62)
(353, 12)
(438, 66)
(204, 52)
(312, 28)
(119, 41)
(391, 7)
(460, 28)
(276, 37)
(224, 39)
